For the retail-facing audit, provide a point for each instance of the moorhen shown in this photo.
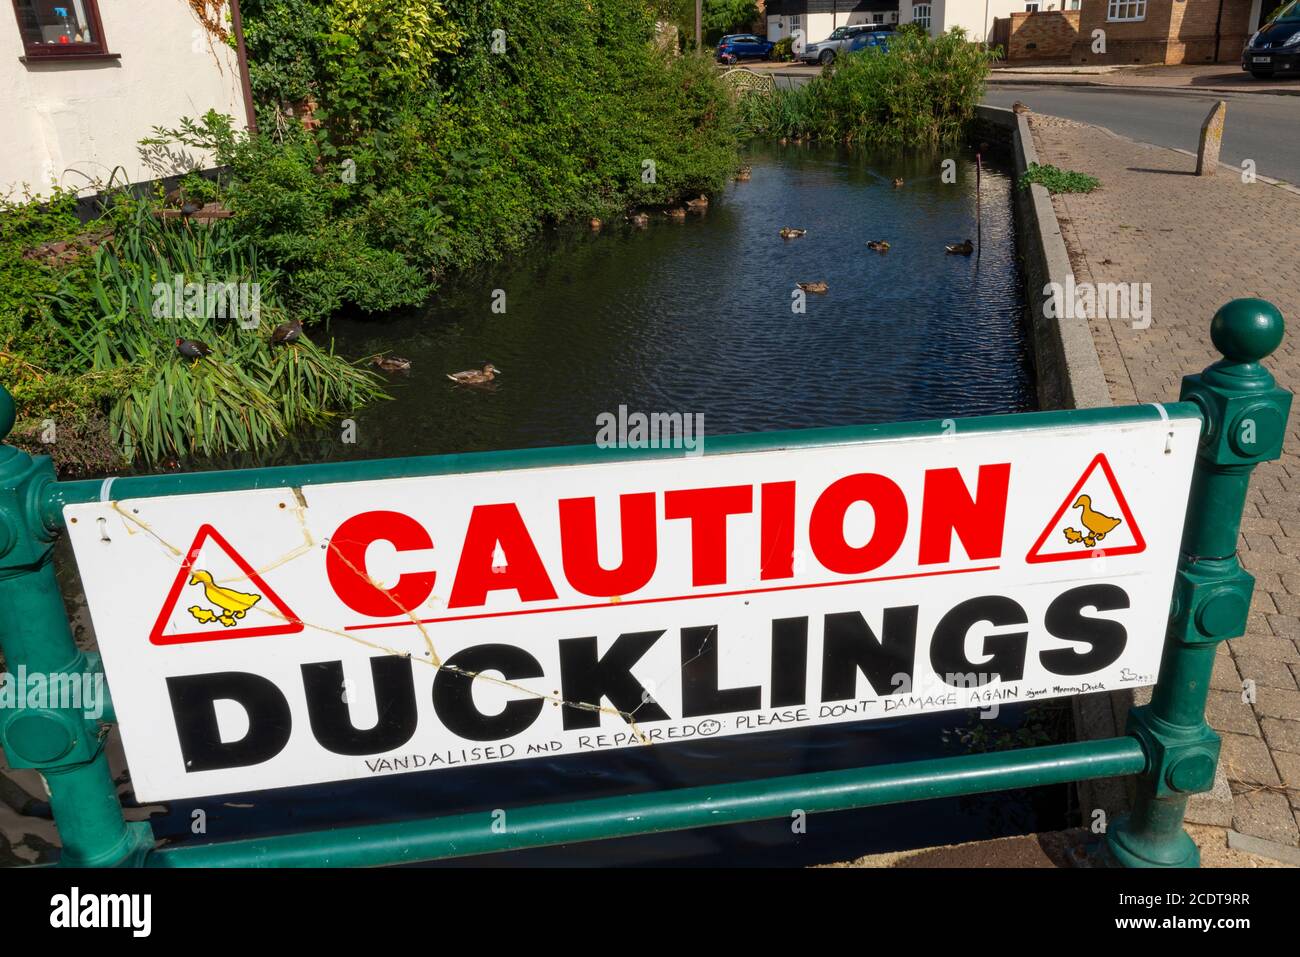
(287, 333)
(192, 349)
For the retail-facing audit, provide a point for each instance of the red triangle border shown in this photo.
(1139, 543)
(156, 636)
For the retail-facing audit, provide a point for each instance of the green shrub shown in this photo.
(1058, 180)
(921, 91)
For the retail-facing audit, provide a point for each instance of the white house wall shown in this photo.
(75, 123)
(976, 17)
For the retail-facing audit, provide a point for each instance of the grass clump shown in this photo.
(98, 357)
(1057, 180)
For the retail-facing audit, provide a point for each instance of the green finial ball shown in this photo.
(1246, 330)
(8, 413)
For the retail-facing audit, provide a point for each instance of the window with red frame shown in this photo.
(56, 28)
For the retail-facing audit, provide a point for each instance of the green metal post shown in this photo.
(49, 730)
(1245, 416)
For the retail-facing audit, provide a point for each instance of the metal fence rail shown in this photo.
(1168, 742)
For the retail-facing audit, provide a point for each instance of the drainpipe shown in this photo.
(1218, 28)
(237, 22)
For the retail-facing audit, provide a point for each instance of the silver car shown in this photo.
(824, 51)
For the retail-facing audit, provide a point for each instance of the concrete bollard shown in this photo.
(1207, 155)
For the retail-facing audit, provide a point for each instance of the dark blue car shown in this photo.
(875, 38)
(743, 46)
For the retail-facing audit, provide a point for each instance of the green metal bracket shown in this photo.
(53, 736)
(1245, 417)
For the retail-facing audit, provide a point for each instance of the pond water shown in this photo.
(696, 317)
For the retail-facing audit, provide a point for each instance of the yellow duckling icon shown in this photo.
(1097, 524)
(233, 604)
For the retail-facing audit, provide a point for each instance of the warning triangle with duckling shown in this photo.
(1093, 520)
(217, 594)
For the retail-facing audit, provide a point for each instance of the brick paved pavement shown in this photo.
(1200, 242)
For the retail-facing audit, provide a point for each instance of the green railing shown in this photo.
(1168, 742)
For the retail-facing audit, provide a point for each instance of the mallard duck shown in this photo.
(879, 245)
(474, 376)
(698, 204)
(639, 219)
(818, 287)
(287, 333)
(960, 249)
(1019, 107)
(392, 363)
(789, 233)
(595, 224)
(676, 212)
(233, 603)
(744, 173)
(898, 183)
(192, 349)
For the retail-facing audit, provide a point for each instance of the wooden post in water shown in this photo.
(979, 223)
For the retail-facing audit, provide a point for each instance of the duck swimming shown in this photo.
(474, 376)
(788, 233)
(960, 249)
(898, 183)
(817, 287)
(879, 245)
(392, 363)
(639, 219)
(744, 174)
(698, 205)
(677, 212)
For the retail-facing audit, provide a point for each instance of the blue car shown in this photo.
(875, 38)
(743, 46)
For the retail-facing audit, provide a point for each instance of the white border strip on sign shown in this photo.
(103, 489)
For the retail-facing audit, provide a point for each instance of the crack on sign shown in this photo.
(146, 527)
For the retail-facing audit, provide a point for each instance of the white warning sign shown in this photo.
(281, 636)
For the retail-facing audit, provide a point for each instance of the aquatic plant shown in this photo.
(245, 396)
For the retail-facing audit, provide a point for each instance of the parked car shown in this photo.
(743, 46)
(824, 51)
(1275, 49)
(875, 38)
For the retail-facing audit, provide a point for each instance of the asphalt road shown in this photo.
(1259, 126)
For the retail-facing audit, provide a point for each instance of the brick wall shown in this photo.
(1049, 35)
(1174, 31)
